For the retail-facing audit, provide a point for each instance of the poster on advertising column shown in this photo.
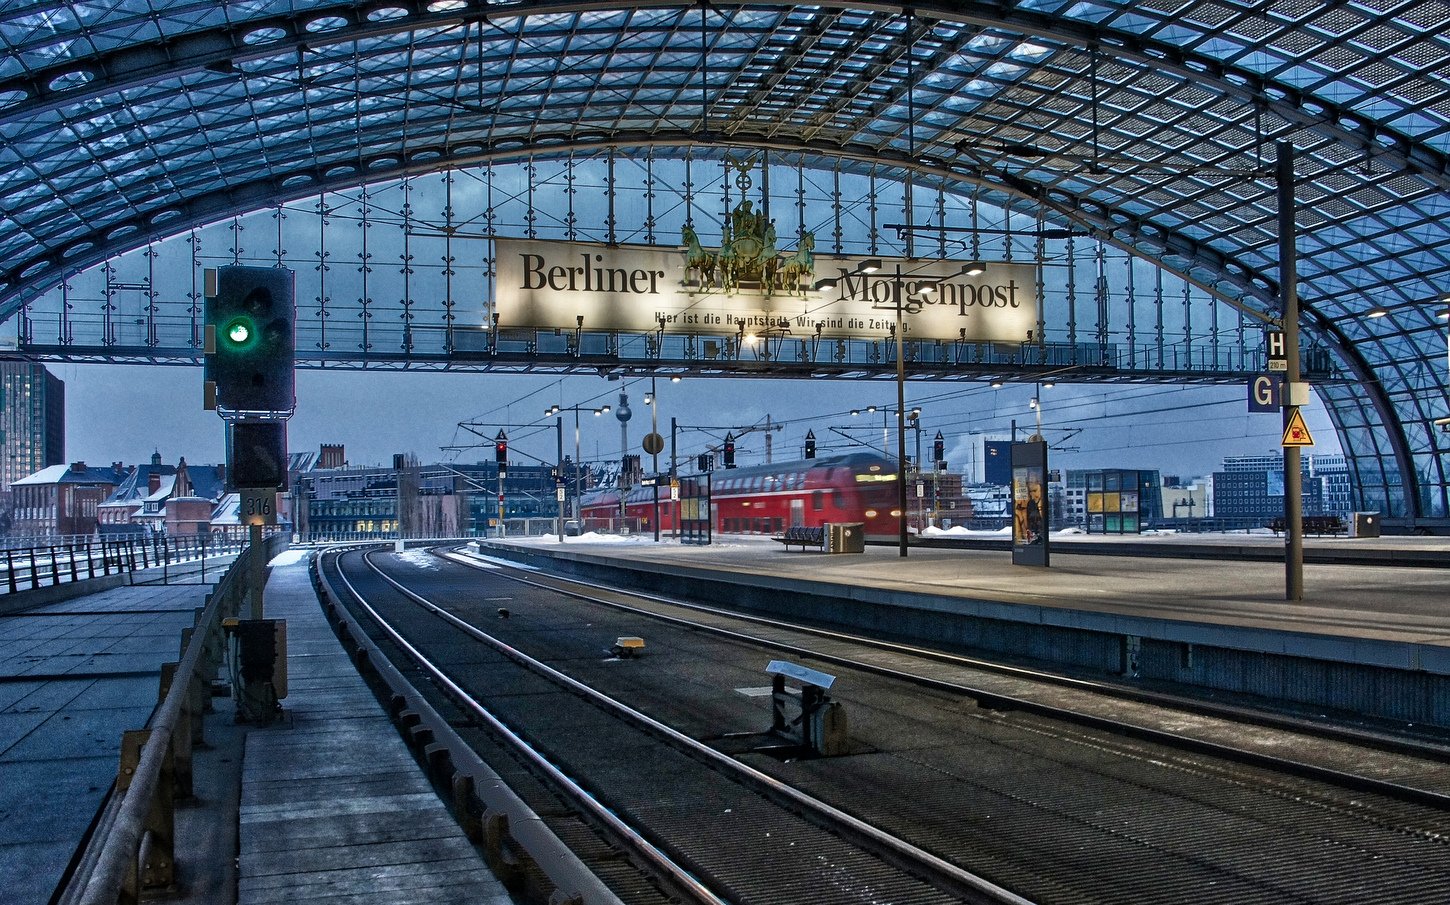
(1029, 504)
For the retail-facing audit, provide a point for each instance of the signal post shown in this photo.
(250, 355)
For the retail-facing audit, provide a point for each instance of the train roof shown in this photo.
(846, 460)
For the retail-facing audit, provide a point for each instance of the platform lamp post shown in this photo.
(500, 445)
(576, 409)
(898, 300)
(1289, 293)
(653, 401)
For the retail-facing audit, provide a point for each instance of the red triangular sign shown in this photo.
(1296, 433)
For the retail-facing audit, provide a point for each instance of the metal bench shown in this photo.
(1313, 524)
(804, 536)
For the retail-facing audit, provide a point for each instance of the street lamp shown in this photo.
(898, 299)
(576, 409)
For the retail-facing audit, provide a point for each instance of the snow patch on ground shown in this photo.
(959, 531)
(288, 557)
(419, 559)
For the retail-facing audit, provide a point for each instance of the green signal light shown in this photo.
(239, 332)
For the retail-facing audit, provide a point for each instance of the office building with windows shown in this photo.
(32, 420)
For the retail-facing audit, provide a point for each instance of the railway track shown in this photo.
(1059, 805)
(720, 820)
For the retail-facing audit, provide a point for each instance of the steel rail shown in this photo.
(982, 889)
(1001, 701)
(653, 856)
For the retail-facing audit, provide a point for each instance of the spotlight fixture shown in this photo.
(1443, 314)
(996, 384)
(1048, 385)
(826, 284)
(1377, 311)
(974, 268)
(675, 379)
(870, 265)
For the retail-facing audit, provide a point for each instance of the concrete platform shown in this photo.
(1380, 602)
(1370, 640)
(334, 808)
(73, 675)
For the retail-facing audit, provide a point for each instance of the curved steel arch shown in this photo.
(219, 49)
(202, 209)
(201, 51)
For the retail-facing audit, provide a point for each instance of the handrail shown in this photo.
(31, 568)
(136, 851)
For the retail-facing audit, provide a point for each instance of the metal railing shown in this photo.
(133, 847)
(29, 568)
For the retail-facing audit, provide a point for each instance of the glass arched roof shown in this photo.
(1153, 123)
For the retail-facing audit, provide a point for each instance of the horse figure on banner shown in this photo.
(697, 259)
(797, 269)
(769, 259)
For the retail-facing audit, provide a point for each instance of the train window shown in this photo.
(818, 500)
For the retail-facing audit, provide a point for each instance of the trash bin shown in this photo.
(846, 537)
(1366, 524)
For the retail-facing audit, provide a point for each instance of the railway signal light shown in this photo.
(501, 452)
(250, 343)
(939, 448)
(704, 462)
(810, 444)
(729, 450)
(257, 455)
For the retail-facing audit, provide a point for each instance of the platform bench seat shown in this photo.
(1313, 524)
(804, 536)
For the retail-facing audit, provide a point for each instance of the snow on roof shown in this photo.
(62, 474)
(168, 483)
(228, 511)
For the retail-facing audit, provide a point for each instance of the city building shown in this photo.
(119, 514)
(1186, 505)
(439, 500)
(32, 420)
(1332, 472)
(62, 500)
(1113, 500)
(1249, 498)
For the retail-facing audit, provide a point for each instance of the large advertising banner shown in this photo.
(642, 289)
(1029, 504)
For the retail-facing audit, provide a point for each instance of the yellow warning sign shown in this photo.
(1297, 432)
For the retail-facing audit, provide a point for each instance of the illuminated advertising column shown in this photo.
(1029, 504)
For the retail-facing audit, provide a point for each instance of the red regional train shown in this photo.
(766, 499)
